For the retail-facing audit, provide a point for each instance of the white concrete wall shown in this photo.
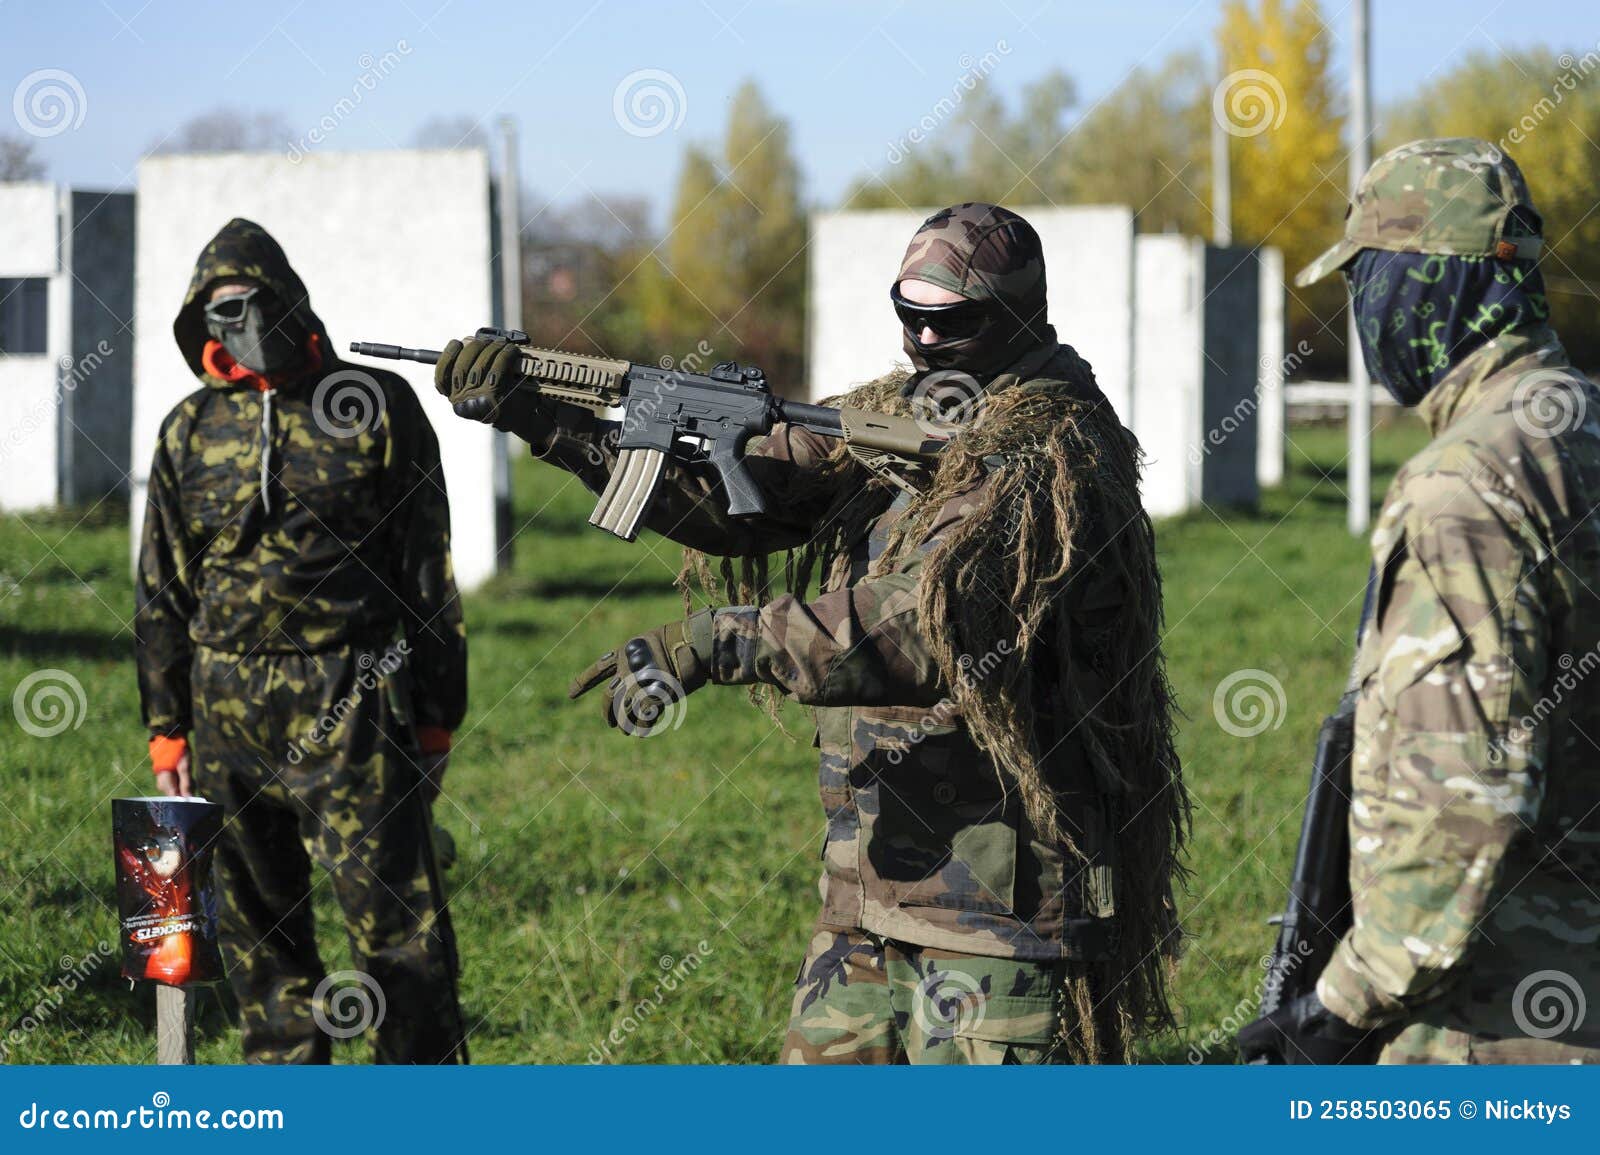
(1168, 322)
(1196, 358)
(28, 414)
(30, 234)
(1270, 432)
(29, 231)
(393, 247)
(853, 335)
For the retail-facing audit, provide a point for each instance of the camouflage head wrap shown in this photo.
(987, 254)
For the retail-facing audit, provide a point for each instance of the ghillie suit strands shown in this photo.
(1054, 476)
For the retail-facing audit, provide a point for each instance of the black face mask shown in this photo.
(256, 330)
(1421, 314)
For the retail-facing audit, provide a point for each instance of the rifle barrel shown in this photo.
(818, 418)
(394, 352)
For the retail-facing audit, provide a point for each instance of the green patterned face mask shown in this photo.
(1421, 314)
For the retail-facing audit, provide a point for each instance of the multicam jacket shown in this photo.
(923, 842)
(293, 520)
(1475, 816)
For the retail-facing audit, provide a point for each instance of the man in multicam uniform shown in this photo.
(301, 654)
(1003, 805)
(1475, 813)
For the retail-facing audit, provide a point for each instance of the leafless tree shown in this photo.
(461, 131)
(226, 130)
(18, 161)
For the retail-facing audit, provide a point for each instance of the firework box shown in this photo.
(165, 894)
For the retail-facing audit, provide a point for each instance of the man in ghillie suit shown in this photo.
(1003, 804)
(301, 657)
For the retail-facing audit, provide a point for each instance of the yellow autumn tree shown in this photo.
(1542, 107)
(730, 275)
(1278, 100)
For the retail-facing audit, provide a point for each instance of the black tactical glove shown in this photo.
(1305, 1031)
(653, 672)
(480, 379)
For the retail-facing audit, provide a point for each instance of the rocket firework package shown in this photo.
(164, 890)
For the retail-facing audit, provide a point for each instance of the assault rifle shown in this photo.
(718, 412)
(1317, 913)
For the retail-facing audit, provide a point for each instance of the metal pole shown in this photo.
(511, 318)
(1359, 472)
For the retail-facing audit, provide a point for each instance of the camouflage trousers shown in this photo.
(860, 998)
(313, 762)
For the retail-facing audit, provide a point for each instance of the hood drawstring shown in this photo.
(217, 362)
(266, 449)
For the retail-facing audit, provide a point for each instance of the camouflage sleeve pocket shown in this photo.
(1413, 631)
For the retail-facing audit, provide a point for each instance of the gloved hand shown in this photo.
(480, 379)
(1305, 1031)
(653, 671)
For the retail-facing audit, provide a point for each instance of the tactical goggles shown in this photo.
(230, 311)
(953, 322)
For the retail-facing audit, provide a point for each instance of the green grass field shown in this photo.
(590, 863)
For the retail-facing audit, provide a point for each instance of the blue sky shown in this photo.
(851, 78)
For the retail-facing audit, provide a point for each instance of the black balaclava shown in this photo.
(985, 253)
(270, 339)
(1421, 314)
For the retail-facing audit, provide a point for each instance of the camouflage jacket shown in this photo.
(294, 520)
(923, 844)
(1475, 813)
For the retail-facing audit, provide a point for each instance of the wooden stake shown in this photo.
(174, 1025)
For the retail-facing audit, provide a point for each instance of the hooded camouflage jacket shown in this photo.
(1475, 813)
(924, 843)
(294, 519)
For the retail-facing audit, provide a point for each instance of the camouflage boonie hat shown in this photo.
(1453, 197)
